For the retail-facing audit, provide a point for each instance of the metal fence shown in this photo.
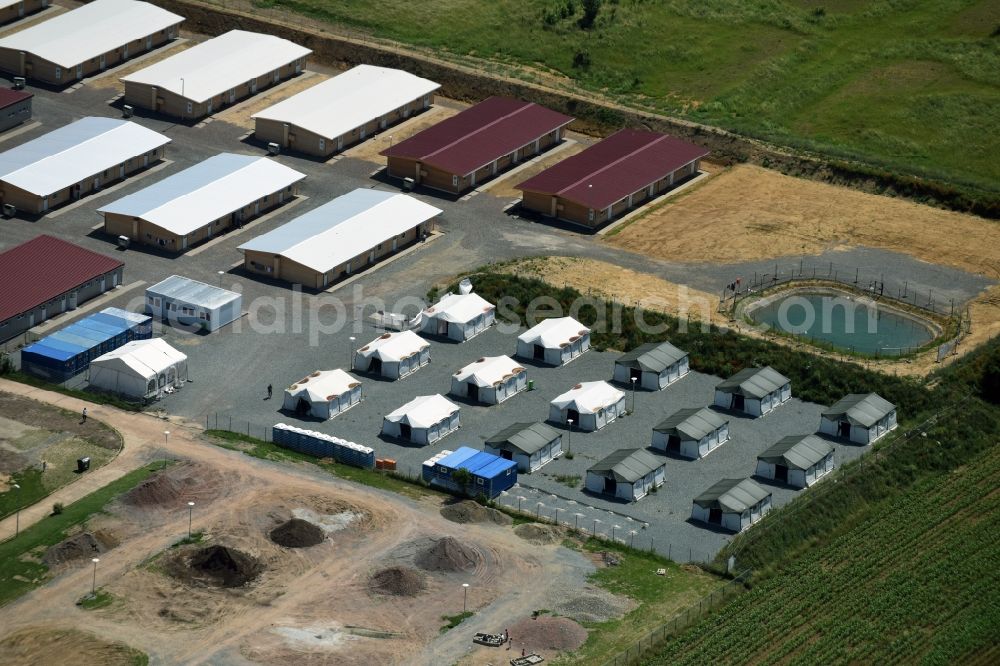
(873, 284)
(679, 622)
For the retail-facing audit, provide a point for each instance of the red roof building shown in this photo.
(476, 144)
(46, 276)
(16, 107)
(613, 176)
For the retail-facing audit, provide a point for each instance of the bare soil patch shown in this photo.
(214, 566)
(113, 81)
(175, 486)
(447, 554)
(540, 534)
(548, 633)
(297, 533)
(749, 213)
(468, 511)
(240, 114)
(64, 646)
(84, 545)
(504, 188)
(369, 150)
(397, 581)
(38, 415)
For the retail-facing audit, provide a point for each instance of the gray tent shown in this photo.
(798, 460)
(755, 391)
(859, 417)
(654, 365)
(692, 433)
(530, 445)
(734, 504)
(627, 474)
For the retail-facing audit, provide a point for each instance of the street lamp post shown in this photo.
(190, 511)
(17, 518)
(633, 380)
(221, 275)
(93, 583)
(166, 442)
(350, 353)
(465, 598)
(569, 437)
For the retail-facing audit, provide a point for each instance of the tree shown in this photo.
(590, 10)
(463, 478)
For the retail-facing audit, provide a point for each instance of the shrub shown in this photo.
(590, 11)
(581, 60)
(57, 508)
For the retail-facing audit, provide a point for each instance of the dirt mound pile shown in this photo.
(538, 533)
(297, 533)
(221, 566)
(398, 581)
(467, 511)
(549, 633)
(173, 487)
(77, 547)
(447, 554)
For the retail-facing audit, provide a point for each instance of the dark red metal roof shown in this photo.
(10, 96)
(482, 133)
(614, 168)
(35, 272)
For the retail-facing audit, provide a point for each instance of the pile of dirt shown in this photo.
(539, 533)
(447, 554)
(219, 566)
(548, 633)
(161, 489)
(398, 581)
(467, 511)
(297, 533)
(77, 547)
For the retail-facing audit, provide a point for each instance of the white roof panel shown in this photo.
(350, 100)
(67, 155)
(394, 347)
(554, 333)
(222, 63)
(185, 290)
(323, 385)
(423, 411)
(340, 230)
(459, 308)
(145, 358)
(489, 371)
(589, 397)
(215, 187)
(88, 31)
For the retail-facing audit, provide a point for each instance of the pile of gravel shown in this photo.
(297, 533)
(468, 511)
(539, 533)
(447, 554)
(397, 581)
(548, 633)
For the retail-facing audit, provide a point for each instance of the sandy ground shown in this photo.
(369, 150)
(750, 213)
(113, 81)
(308, 606)
(240, 113)
(600, 278)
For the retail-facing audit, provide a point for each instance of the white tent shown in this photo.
(141, 369)
(459, 316)
(423, 420)
(554, 341)
(323, 394)
(490, 380)
(393, 355)
(591, 405)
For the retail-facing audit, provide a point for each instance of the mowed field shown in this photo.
(911, 85)
(896, 588)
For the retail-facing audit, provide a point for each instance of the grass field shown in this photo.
(912, 583)
(906, 84)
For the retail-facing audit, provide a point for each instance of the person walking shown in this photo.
(84, 415)
(270, 390)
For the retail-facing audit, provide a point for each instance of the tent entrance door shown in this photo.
(405, 431)
(376, 366)
(738, 403)
(635, 373)
(844, 429)
(538, 353)
(674, 444)
(573, 415)
(302, 407)
(507, 455)
(781, 473)
(442, 327)
(610, 486)
(473, 392)
(715, 516)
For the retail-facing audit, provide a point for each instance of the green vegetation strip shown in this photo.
(452, 621)
(100, 599)
(258, 448)
(18, 574)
